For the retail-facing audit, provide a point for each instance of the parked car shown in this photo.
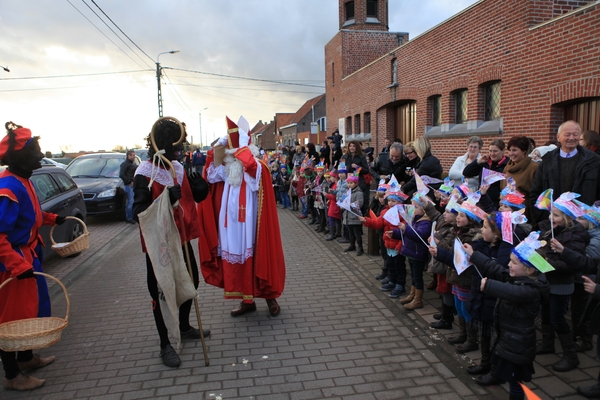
(49, 161)
(59, 194)
(142, 154)
(97, 175)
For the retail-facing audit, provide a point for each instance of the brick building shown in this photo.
(298, 128)
(497, 69)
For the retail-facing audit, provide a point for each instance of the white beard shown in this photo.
(234, 169)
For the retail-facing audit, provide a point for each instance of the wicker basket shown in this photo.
(33, 333)
(78, 244)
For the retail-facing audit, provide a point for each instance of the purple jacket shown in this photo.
(413, 247)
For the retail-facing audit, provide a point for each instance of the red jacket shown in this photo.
(299, 184)
(333, 209)
(382, 223)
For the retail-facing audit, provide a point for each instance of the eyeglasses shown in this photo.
(408, 152)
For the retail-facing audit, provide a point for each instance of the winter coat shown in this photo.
(299, 184)
(333, 210)
(298, 158)
(381, 224)
(362, 162)
(445, 233)
(413, 247)
(523, 173)
(575, 238)
(127, 171)
(387, 167)
(456, 172)
(476, 169)
(585, 181)
(589, 266)
(429, 166)
(285, 181)
(593, 248)
(357, 197)
(479, 304)
(466, 235)
(518, 305)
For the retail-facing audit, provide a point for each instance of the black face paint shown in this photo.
(24, 161)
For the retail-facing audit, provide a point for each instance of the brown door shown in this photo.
(405, 122)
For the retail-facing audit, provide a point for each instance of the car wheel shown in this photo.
(76, 231)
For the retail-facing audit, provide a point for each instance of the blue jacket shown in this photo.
(413, 247)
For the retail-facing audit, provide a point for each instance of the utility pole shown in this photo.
(158, 76)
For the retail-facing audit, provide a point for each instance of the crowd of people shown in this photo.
(492, 201)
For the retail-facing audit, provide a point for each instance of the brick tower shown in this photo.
(364, 15)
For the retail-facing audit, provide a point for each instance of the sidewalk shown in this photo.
(338, 336)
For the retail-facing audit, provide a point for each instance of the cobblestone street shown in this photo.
(338, 336)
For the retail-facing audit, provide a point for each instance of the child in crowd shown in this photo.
(293, 189)
(378, 204)
(520, 290)
(415, 250)
(354, 224)
(566, 230)
(284, 187)
(334, 213)
(396, 262)
(300, 183)
(319, 198)
(340, 192)
(276, 180)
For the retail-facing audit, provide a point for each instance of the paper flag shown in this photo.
(504, 222)
(355, 208)
(345, 200)
(461, 258)
(421, 187)
(489, 176)
(407, 212)
(544, 201)
(432, 242)
(394, 185)
(518, 217)
(372, 215)
(392, 216)
(429, 180)
(529, 395)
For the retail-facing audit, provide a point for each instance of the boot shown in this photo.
(433, 284)
(23, 383)
(569, 360)
(417, 302)
(547, 345)
(592, 391)
(320, 229)
(489, 379)
(584, 343)
(35, 363)
(352, 247)
(471, 343)
(382, 275)
(330, 237)
(515, 397)
(360, 251)
(446, 320)
(410, 296)
(313, 221)
(486, 354)
(462, 335)
(338, 229)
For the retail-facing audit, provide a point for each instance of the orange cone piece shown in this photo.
(529, 395)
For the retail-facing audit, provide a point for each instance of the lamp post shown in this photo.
(158, 75)
(5, 68)
(202, 143)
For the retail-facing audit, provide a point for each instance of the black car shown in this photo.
(97, 175)
(59, 194)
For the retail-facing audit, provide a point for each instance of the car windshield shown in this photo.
(95, 167)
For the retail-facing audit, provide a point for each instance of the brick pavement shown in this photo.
(338, 336)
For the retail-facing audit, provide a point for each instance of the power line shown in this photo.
(96, 14)
(74, 75)
(122, 31)
(244, 78)
(72, 5)
(184, 83)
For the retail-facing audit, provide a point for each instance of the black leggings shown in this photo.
(184, 309)
(10, 360)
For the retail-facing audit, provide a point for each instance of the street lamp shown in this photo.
(158, 74)
(202, 143)
(5, 68)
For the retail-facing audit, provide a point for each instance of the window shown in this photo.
(349, 6)
(372, 8)
(367, 122)
(348, 125)
(394, 71)
(461, 99)
(65, 182)
(332, 74)
(586, 114)
(357, 124)
(45, 187)
(492, 101)
(322, 124)
(435, 107)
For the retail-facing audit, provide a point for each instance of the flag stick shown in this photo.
(477, 269)
(425, 243)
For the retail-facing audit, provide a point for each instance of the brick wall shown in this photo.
(360, 16)
(540, 68)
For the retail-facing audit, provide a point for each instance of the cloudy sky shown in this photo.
(78, 82)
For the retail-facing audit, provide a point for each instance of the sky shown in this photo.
(82, 82)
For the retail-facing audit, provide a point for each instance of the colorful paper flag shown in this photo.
(428, 180)
(394, 185)
(407, 212)
(544, 201)
(392, 216)
(489, 176)
(432, 242)
(504, 222)
(355, 207)
(461, 258)
(421, 187)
